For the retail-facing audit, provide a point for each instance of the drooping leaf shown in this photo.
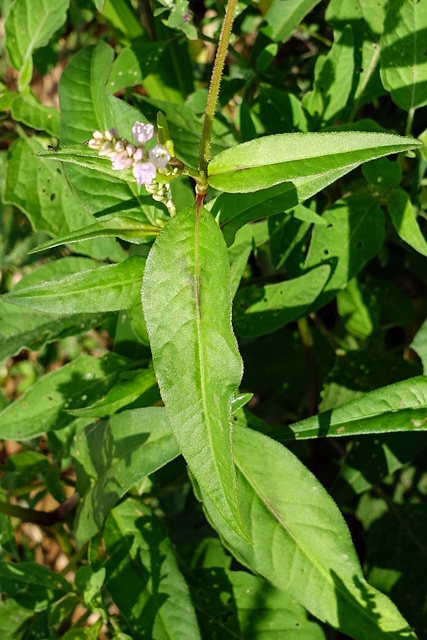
(402, 55)
(113, 457)
(261, 310)
(272, 160)
(40, 409)
(56, 210)
(187, 307)
(29, 26)
(32, 585)
(143, 576)
(301, 542)
(402, 215)
(27, 109)
(107, 288)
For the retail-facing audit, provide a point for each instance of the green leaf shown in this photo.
(283, 17)
(301, 543)
(143, 577)
(133, 385)
(402, 215)
(27, 109)
(382, 173)
(419, 345)
(32, 585)
(261, 310)
(129, 227)
(29, 26)
(354, 234)
(56, 209)
(114, 457)
(186, 301)
(272, 160)
(397, 407)
(12, 616)
(107, 288)
(86, 106)
(236, 604)
(135, 63)
(234, 212)
(402, 55)
(41, 408)
(333, 80)
(357, 308)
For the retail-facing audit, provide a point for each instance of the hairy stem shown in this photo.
(221, 53)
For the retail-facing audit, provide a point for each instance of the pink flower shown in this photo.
(159, 156)
(144, 172)
(142, 132)
(122, 161)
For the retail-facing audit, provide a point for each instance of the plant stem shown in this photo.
(221, 53)
(42, 518)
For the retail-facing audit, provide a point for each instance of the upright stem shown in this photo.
(221, 53)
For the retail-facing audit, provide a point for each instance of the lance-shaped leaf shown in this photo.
(301, 542)
(187, 306)
(108, 288)
(131, 227)
(270, 160)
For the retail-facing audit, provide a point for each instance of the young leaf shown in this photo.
(402, 55)
(271, 160)
(261, 310)
(301, 543)
(29, 26)
(143, 576)
(187, 307)
(107, 288)
(114, 457)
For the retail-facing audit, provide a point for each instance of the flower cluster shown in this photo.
(123, 154)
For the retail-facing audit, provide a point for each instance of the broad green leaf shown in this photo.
(357, 308)
(382, 173)
(143, 576)
(402, 55)
(56, 209)
(419, 345)
(354, 234)
(121, 15)
(133, 64)
(236, 604)
(397, 407)
(32, 585)
(187, 307)
(238, 255)
(395, 560)
(333, 80)
(402, 215)
(279, 111)
(234, 211)
(301, 543)
(261, 310)
(130, 227)
(26, 108)
(113, 457)
(283, 17)
(86, 106)
(12, 616)
(41, 408)
(131, 386)
(288, 232)
(26, 328)
(272, 160)
(367, 19)
(107, 288)
(29, 26)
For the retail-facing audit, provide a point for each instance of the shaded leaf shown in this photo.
(284, 17)
(32, 585)
(402, 215)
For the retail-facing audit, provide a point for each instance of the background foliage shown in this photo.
(311, 525)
